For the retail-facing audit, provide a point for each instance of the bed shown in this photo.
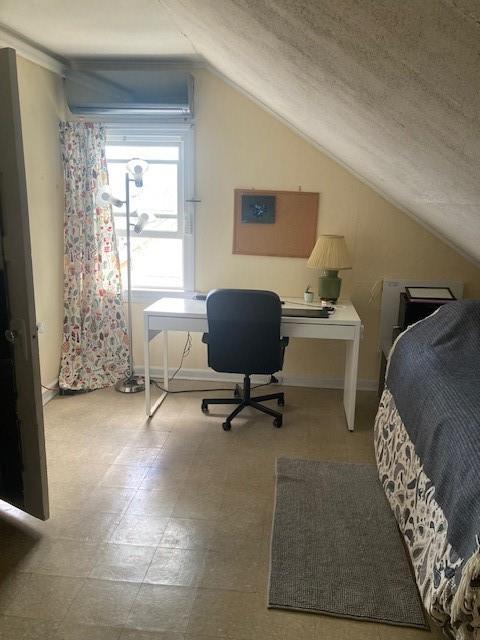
(427, 446)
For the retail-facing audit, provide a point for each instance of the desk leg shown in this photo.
(351, 373)
(151, 410)
(165, 360)
(146, 360)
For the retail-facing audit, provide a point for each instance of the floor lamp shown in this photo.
(135, 170)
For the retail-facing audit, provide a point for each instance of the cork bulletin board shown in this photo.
(275, 223)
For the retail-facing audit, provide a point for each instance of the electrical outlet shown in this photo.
(41, 327)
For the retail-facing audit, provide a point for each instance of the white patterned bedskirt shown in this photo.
(443, 578)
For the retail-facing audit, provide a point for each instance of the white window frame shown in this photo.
(159, 135)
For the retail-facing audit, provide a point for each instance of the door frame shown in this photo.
(15, 240)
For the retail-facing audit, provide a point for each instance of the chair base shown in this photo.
(243, 399)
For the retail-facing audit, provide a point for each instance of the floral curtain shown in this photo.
(95, 340)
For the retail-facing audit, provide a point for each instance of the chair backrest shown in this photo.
(244, 331)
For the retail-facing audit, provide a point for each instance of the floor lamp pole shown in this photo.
(129, 279)
(133, 383)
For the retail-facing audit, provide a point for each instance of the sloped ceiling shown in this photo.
(94, 28)
(391, 88)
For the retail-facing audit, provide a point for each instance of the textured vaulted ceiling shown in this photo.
(389, 87)
(89, 28)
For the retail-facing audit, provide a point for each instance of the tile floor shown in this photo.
(160, 530)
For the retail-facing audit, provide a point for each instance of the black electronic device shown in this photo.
(412, 310)
(306, 312)
(416, 303)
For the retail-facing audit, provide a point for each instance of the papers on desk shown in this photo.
(298, 304)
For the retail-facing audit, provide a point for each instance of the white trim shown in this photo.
(31, 51)
(51, 392)
(287, 380)
(138, 133)
(189, 208)
(149, 296)
(181, 63)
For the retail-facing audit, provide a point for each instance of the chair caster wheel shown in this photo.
(277, 422)
(204, 407)
(281, 402)
(227, 425)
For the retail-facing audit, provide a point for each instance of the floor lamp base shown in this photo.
(133, 384)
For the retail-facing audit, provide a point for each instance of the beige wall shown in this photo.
(238, 144)
(42, 106)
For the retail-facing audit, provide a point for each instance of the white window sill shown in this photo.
(149, 296)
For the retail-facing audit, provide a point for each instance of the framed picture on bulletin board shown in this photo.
(275, 223)
(258, 209)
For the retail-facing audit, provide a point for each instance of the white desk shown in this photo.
(178, 314)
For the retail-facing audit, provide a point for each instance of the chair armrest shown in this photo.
(284, 342)
(205, 338)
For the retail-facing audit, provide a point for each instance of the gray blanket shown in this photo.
(434, 377)
(427, 447)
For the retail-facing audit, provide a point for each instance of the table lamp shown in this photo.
(329, 254)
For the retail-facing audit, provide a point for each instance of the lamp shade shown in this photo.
(104, 197)
(330, 252)
(143, 218)
(137, 167)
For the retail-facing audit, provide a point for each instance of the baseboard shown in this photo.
(288, 380)
(363, 384)
(51, 392)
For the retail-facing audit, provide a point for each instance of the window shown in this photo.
(162, 253)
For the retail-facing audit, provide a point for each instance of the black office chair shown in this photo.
(244, 337)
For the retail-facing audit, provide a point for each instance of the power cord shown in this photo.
(50, 388)
(185, 353)
(187, 347)
(272, 380)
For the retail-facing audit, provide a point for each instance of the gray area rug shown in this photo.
(336, 548)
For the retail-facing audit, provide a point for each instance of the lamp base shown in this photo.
(329, 285)
(133, 384)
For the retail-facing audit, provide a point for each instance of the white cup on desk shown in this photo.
(308, 296)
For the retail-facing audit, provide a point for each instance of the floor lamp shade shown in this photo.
(137, 167)
(330, 254)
